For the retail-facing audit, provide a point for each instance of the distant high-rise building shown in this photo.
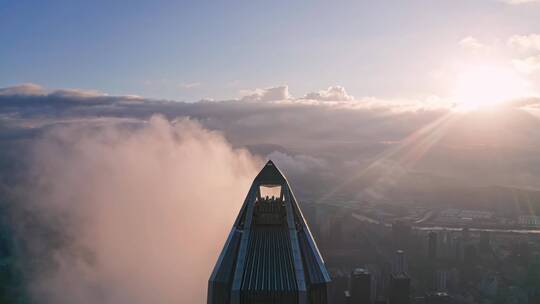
(441, 277)
(270, 255)
(399, 263)
(438, 298)
(489, 285)
(432, 245)
(400, 282)
(400, 289)
(360, 286)
(446, 246)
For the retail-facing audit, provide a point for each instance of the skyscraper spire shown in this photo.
(270, 255)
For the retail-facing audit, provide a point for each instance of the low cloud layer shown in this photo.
(517, 2)
(140, 211)
(472, 44)
(530, 42)
(131, 198)
(334, 93)
(333, 133)
(268, 94)
(31, 89)
(281, 93)
(528, 46)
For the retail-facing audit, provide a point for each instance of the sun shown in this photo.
(485, 86)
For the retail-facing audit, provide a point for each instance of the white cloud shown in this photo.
(333, 93)
(515, 2)
(189, 85)
(127, 198)
(527, 65)
(472, 44)
(31, 89)
(529, 46)
(268, 94)
(77, 93)
(23, 89)
(529, 42)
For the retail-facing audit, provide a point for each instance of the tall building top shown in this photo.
(360, 271)
(270, 175)
(400, 263)
(270, 254)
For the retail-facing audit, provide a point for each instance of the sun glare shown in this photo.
(484, 86)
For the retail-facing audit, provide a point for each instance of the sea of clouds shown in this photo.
(122, 199)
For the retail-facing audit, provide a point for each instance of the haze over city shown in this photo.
(130, 133)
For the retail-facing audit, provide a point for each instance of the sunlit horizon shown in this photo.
(486, 86)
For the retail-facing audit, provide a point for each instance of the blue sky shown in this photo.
(191, 50)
